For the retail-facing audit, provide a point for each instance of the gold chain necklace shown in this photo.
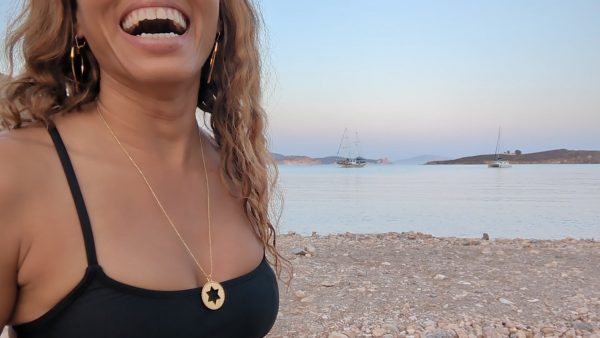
(212, 294)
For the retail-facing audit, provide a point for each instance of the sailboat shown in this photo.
(499, 162)
(350, 161)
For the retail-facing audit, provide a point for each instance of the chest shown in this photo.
(134, 241)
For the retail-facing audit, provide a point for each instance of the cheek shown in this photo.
(97, 22)
(206, 20)
(91, 15)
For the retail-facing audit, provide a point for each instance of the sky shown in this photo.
(429, 77)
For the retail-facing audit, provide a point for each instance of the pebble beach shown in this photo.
(413, 284)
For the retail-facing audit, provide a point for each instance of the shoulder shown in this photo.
(24, 153)
(23, 146)
(22, 169)
(24, 166)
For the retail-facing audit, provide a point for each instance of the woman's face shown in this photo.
(149, 42)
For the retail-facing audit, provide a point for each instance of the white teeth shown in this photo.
(137, 17)
(157, 35)
(161, 13)
(151, 13)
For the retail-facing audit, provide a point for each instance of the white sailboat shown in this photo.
(499, 162)
(350, 161)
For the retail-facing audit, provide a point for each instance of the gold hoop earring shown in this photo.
(76, 51)
(213, 57)
(208, 91)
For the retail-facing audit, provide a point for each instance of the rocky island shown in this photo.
(558, 156)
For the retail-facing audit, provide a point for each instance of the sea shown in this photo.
(541, 201)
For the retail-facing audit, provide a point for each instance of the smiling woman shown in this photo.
(132, 221)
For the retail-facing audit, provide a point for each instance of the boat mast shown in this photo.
(341, 142)
(356, 144)
(498, 143)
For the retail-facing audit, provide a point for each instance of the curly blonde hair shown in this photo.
(45, 86)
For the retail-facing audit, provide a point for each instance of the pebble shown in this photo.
(329, 283)
(439, 277)
(582, 326)
(299, 251)
(547, 330)
(582, 310)
(391, 328)
(378, 332)
(336, 334)
(300, 293)
(308, 299)
(429, 323)
(438, 333)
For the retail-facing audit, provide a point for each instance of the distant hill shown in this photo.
(558, 156)
(301, 159)
(423, 159)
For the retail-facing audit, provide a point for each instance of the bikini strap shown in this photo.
(84, 220)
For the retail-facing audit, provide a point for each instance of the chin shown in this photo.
(157, 72)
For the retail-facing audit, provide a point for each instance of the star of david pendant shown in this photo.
(213, 295)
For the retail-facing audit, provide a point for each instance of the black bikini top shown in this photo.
(101, 307)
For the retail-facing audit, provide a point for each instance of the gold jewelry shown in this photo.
(76, 50)
(213, 57)
(213, 293)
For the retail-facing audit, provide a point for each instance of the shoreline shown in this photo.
(418, 233)
(413, 284)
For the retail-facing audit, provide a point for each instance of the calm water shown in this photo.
(525, 201)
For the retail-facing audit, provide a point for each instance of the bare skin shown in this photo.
(134, 242)
(149, 99)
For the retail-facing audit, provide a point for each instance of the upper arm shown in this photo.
(9, 232)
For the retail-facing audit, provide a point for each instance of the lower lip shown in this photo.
(157, 44)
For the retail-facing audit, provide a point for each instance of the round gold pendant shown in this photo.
(213, 295)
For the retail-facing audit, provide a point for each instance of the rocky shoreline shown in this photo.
(412, 284)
